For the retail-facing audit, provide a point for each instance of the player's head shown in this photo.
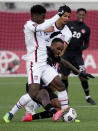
(66, 16)
(81, 14)
(57, 46)
(38, 13)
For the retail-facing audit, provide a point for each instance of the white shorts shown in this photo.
(38, 71)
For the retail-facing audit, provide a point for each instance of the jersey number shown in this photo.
(76, 35)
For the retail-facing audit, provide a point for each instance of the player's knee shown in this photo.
(33, 90)
(61, 87)
(58, 84)
(43, 97)
(43, 94)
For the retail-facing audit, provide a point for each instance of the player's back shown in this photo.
(35, 43)
(66, 33)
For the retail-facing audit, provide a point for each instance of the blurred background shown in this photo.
(13, 16)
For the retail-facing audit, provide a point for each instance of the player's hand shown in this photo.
(86, 75)
(61, 10)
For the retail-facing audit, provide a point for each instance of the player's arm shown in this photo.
(67, 39)
(75, 70)
(51, 59)
(47, 23)
(50, 29)
(65, 46)
(41, 27)
(86, 40)
(69, 65)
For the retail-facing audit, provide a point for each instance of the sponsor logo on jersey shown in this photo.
(83, 31)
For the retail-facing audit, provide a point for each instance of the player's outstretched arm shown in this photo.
(84, 75)
(49, 22)
(70, 66)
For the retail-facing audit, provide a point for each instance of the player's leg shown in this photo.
(84, 83)
(33, 90)
(31, 106)
(65, 71)
(50, 76)
(62, 93)
(22, 101)
(47, 105)
(42, 95)
(64, 75)
(45, 114)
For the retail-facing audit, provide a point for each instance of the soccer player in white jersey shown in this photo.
(37, 67)
(36, 63)
(60, 28)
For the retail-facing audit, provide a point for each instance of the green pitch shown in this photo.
(12, 88)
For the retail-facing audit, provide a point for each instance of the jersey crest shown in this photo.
(35, 25)
(83, 31)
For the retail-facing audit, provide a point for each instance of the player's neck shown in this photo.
(79, 22)
(59, 25)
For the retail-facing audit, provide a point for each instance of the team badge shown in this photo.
(35, 77)
(35, 25)
(83, 31)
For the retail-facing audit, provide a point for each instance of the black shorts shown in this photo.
(52, 95)
(75, 60)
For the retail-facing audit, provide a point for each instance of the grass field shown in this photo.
(12, 88)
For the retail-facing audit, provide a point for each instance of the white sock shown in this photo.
(22, 102)
(63, 99)
(31, 106)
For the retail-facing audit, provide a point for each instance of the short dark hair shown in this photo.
(37, 9)
(66, 8)
(81, 9)
(57, 40)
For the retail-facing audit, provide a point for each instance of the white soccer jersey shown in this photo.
(35, 41)
(65, 36)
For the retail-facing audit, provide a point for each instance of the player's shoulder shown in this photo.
(67, 29)
(30, 23)
(86, 26)
(70, 23)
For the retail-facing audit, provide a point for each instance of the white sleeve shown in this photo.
(68, 36)
(43, 26)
